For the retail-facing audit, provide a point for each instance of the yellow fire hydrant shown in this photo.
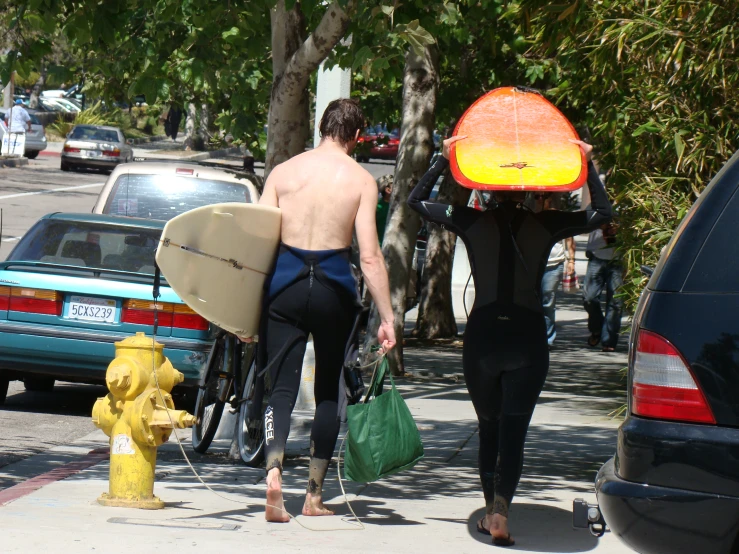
(134, 416)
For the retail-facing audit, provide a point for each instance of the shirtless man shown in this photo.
(324, 195)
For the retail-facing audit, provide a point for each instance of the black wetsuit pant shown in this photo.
(307, 306)
(506, 359)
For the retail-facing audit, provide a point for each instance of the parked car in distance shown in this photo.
(673, 485)
(162, 190)
(35, 140)
(77, 283)
(377, 142)
(95, 147)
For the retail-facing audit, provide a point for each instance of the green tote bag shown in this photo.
(382, 437)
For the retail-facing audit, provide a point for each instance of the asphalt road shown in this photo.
(31, 423)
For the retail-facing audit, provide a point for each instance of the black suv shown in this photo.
(673, 485)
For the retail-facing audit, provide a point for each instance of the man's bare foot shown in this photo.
(498, 526)
(275, 509)
(314, 506)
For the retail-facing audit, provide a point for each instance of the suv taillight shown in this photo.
(662, 386)
(33, 301)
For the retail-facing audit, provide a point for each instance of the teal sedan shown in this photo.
(77, 283)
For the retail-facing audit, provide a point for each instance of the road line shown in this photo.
(25, 488)
(11, 239)
(49, 191)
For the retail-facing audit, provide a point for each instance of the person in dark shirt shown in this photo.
(383, 207)
(505, 355)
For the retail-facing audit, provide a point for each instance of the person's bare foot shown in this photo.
(274, 511)
(498, 527)
(314, 506)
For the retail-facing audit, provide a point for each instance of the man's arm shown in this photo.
(373, 263)
(570, 247)
(269, 194)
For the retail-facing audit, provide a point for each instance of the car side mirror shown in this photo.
(129, 141)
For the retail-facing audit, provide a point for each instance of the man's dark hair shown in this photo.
(341, 120)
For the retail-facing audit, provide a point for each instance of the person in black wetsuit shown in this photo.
(324, 195)
(505, 355)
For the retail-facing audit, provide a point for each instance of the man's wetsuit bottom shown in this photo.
(305, 307)
(506, 359)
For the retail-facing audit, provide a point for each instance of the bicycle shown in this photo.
(225, 380)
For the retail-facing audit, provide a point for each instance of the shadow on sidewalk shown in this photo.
(539, 528)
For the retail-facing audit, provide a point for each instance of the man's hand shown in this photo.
(447, 145)
(386, 337)
(587, 149)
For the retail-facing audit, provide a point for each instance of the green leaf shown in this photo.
(568, 12)
(679, 148)
(361, 57)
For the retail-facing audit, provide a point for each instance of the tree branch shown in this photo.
(318, 45)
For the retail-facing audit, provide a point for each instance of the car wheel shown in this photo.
(32, 155)
(3, 389)
(39, 384)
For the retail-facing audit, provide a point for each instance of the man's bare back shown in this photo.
(319, 193)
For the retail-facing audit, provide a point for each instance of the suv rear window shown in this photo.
(89, 245)
(716, 269)
(166, 196)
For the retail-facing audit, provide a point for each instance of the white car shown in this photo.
(163, 190)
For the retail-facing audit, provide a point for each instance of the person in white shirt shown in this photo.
(18, 119)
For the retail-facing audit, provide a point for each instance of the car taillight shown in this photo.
(663, 386)
(4, 298)
(35, 301)
(70, 149)
(115, 152)
(141, 312)
(185, 318)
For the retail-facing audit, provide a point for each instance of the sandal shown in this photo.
(504, 541)
(593, 340)
(608, 349)
(481, 527)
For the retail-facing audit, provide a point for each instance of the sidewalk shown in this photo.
(431, 508)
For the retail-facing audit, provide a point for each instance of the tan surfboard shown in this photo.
(216, 258)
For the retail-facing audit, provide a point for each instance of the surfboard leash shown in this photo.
(233, 263)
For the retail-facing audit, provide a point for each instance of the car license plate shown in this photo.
(85, 308)
(93, 153)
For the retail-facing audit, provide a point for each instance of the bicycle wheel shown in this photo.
(251, 430)
(212, 395)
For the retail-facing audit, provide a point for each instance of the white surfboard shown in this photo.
(216, 258)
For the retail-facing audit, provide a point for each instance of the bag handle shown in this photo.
(378, 379)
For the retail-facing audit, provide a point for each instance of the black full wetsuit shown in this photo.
(506, 356)
(309, 292)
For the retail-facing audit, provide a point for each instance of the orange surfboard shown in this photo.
(517, 140)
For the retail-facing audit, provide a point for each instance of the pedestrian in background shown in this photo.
(383, 206)
(605, 271)
(172, 123)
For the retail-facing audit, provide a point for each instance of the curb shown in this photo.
(13, 162)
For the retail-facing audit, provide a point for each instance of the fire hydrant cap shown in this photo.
(139, 341)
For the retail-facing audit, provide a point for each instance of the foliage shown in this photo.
(657, 84)
(90, 116)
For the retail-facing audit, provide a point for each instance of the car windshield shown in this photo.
(92, 245)
(90, 133)
(166, 196)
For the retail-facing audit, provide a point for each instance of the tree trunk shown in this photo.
(204, 122)
(190, 127)
(435, 312)
(36, 92)
(420, 87)
(293, 60)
